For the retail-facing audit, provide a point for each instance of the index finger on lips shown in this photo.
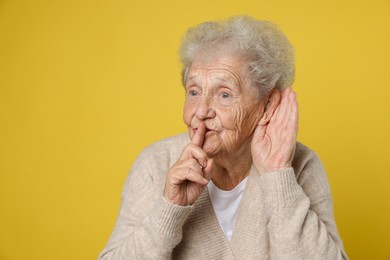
(198, 137)
(194, 148)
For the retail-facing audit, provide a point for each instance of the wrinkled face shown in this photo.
(219, 93)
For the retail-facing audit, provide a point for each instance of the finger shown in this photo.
(193, 174)
(294, 115)
(190, 163)
(198, 137)
(208, 170)
(194, 164)
(200, 156)
(193, 151)
(290, 109)
(282, 109)
(289, 126)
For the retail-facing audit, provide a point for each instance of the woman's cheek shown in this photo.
(231, 120)
(188, 113)
(237, 114)
(255, 112)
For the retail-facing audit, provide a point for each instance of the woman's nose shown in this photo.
(204, 108)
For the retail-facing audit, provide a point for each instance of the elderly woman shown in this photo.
(238, 186)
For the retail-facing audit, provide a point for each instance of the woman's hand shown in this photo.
(273, 143)
(189, 175)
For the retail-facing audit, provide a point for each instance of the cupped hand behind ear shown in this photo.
(274, 140)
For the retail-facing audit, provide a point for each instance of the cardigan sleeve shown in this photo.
(300, 211)
(148, 226)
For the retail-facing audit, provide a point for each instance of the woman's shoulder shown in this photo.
(306, 159)
(178, 141)
(309, 168)
(168, 148)
(303, 154)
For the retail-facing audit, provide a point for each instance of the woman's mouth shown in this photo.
(206, 131)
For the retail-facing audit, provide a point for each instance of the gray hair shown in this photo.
(267, 50)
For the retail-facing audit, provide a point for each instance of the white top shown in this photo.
(225, 204)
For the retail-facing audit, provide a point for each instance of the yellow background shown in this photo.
(85, 85)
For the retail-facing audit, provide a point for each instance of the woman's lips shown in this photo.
(206, 132)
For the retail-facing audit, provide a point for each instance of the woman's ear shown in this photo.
(272, 102)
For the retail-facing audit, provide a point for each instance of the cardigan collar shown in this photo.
(247, 230)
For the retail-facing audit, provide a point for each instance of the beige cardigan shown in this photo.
(282, 215)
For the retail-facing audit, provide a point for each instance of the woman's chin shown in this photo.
(211, 148)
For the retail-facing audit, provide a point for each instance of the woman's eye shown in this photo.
(193, 93)
(225, 95)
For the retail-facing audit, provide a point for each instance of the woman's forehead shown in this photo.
(214, 76)
(217, 74)
(222, 69)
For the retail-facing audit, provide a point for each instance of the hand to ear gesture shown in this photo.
(187, 178)
(274, 140)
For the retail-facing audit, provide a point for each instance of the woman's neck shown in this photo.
(231, 169)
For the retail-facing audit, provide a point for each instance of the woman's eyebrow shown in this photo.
(229, 81)
(191, 80)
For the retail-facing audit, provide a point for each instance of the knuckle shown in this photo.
(192, 161)
(191, 146)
